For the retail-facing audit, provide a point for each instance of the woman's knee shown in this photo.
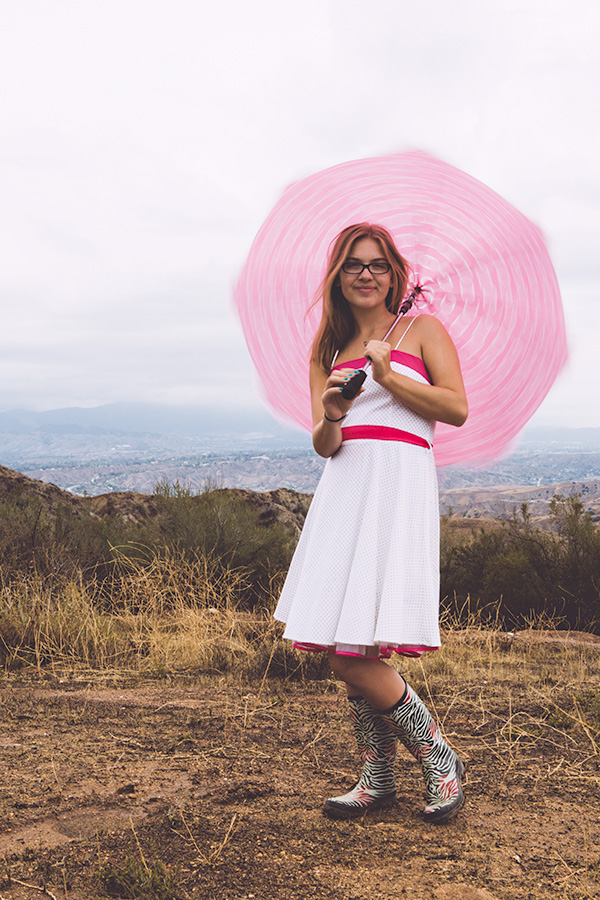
(338, 665)
(346, 668)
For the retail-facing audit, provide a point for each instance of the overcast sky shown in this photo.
(143, 142)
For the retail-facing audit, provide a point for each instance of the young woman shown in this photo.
(364, 581)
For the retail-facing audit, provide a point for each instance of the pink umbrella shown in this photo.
(484, 267)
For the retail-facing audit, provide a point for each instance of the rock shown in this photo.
(282, 506)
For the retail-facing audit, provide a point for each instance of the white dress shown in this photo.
(364, 580)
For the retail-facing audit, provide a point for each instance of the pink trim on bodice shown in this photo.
(397, 356)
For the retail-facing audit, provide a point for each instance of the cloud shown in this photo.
(143, 143)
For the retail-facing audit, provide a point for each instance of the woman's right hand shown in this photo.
(334, 405)
(327, 401)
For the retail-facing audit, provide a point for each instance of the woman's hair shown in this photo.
(337, 322)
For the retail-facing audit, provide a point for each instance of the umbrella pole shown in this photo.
(354, 384)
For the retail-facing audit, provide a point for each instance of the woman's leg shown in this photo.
(372, 679)
(376, 786)
(411, 722)
(376, 742)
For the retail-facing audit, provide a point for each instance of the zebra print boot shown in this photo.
(376, 786)
(411, 722)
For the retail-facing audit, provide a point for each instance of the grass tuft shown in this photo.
(134, 878)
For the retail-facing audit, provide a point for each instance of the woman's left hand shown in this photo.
(379, 352)
(443, 399)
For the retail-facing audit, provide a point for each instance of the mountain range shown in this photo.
(131, 447)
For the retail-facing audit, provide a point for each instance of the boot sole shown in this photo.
(343, 811)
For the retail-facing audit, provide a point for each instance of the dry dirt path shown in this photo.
(224, 784)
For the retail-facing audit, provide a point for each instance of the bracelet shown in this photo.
(325, 416)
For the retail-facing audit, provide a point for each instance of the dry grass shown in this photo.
(239, 757)
(239, 764)
(159, 614)
(235, 750)
(166, 614)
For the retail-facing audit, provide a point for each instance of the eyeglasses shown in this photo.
(353, 267)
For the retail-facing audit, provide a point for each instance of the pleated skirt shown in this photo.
(364, 580)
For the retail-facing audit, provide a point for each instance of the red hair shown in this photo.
(338, 326)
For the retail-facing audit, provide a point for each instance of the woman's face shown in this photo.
(365, 290)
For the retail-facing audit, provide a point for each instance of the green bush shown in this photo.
(222, 523)
(134, 879)
(519, 572)
(70, 541)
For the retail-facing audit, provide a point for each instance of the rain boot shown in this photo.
(411, 722)
(376, 786)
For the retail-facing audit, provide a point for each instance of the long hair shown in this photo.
(338, 325)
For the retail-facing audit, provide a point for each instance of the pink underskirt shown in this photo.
(385, 652)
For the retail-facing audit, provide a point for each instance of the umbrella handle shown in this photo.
(353, 385)
(416, 292)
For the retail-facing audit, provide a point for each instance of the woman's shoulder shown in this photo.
(429, 328)
(428, 323)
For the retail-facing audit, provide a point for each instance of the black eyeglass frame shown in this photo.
(364, 266)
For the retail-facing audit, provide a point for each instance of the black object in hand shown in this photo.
(353, 385)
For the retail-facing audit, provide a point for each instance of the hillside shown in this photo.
(164, 742)
(501, 501)
(215, 785)
(282, 506)
(289, 506)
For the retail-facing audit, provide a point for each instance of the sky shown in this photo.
(143, 143)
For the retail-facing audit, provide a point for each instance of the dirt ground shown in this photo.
(223, 784)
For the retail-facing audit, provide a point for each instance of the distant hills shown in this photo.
(548, 437)
(131, 447)
(118, 430)
(142, 427)
(502, 501)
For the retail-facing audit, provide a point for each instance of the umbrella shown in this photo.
(484, 268)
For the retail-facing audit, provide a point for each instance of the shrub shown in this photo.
(219, 522)
(518, 571)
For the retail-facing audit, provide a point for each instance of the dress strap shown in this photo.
(335, 356)
(406, 330)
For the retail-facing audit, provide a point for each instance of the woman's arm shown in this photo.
(445, 399)
(326, 399)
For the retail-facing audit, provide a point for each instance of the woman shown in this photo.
(364, 580)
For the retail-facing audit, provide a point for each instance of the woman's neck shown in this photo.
(372, 324)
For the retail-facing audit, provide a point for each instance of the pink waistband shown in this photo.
(382, 433)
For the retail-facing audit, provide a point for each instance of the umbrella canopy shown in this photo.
(484, 266)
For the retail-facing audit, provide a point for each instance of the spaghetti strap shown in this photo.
(406, 330)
